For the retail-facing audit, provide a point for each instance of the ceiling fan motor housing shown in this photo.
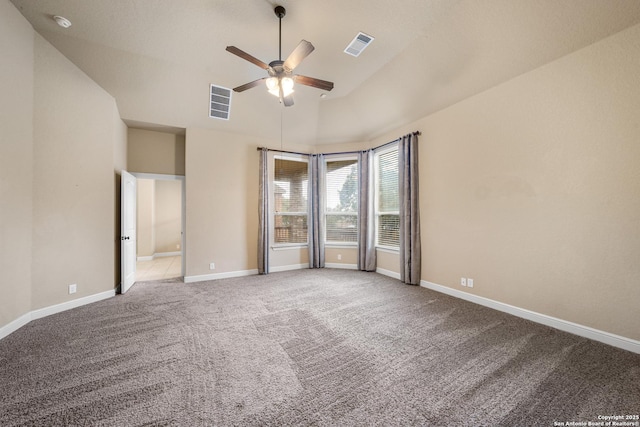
(280, 12)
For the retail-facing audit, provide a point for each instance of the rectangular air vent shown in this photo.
(220, 102)
(358, 44)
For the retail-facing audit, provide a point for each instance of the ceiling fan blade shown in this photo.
(288, 100)
(244, 55)
(301, 51)
(249, 85)
(317, 83)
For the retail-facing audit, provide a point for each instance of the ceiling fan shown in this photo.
(280, 78)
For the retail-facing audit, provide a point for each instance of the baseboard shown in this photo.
(158, 255)
(563, 325)
(47, 311)
(53, 309)
(288, 268)
(166, 254)
(216, 276)
(342, 266)
(388, 273)
(14, 325)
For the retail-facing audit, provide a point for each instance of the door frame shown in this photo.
(183, 208)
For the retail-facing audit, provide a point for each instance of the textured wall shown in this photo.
(532, 188)
(75, 126)
(155, 152)
(16, 169)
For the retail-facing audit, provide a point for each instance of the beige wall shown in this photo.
(16, 169)
(62, 145)
(532, 188)
(155, 152)
(159, 217)
(73, 186)
(145, 235)
(168, 215)
(222, 202)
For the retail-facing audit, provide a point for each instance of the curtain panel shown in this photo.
(366, 213)
(410, 250)
(316, 211)
(263, 213)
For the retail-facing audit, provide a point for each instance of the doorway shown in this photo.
(160, 227)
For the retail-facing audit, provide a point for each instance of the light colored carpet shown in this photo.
(309, 347)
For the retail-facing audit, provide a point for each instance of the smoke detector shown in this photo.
(62, 21)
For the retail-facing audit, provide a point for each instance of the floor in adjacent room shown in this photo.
(159, 268)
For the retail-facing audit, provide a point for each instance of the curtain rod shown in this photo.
(418, 133)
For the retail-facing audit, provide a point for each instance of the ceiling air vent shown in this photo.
(358, 44)
(220, 102)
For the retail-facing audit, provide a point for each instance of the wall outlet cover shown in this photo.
(463, 281)
(470, 283)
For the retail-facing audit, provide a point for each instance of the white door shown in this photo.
(128, 231)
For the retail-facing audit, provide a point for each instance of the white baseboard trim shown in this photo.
(166, 254)
(158, 255)
(288, 268)
(563, 325)
(14, 325)
(53, 309)
(342, 266)
(216, 276)
(388, 273)
(47, 311)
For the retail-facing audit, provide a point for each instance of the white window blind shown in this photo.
(341, 200)
(387, 199)
(291, 181)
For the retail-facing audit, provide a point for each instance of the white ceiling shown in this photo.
(157, 58)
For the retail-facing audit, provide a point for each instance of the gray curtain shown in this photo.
(263, 212)
(410, 251)
(366, 215)
(316, 211)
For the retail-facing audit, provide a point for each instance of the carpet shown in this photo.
(308, 347)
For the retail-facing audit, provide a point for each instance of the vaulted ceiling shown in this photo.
(157, 58)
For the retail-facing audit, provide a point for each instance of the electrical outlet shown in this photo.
(339, 257)
(212, 266)
(73, 288)
(470, 283)
(463, 281)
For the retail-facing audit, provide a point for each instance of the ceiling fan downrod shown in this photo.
(280, 13)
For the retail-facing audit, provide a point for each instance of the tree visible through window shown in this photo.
(290, 188)
(341, 214)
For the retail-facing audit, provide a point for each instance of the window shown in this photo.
(387, 198)
(341, 201)
(290, 188)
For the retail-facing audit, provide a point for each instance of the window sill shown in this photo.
(289, 247)
(388, 249)
(341, 245)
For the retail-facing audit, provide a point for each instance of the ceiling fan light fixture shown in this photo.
(272, 86)
(287, 86)
(274, 83)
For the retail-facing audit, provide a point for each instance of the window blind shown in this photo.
(341, 201)
(387, 196)
(291, 182)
